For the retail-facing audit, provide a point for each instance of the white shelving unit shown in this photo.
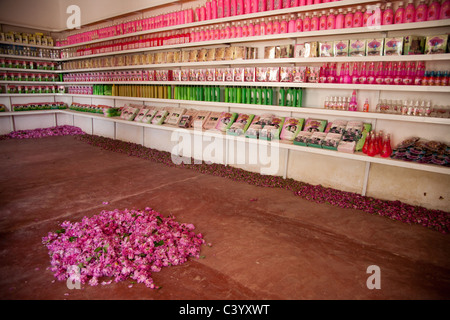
(430, 127)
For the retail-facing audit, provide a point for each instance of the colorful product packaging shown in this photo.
(240, 126)
(393, 46)
(291, 127)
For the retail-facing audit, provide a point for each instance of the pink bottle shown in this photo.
(399, 14)
(257, 28)
(367, 14)
(410, 12)
(388, 15)
(277, 4)
(286, 3)
(255, 5)
(323, 21)
(363, 74)
(420, 72)
(324, 72)
(238, 30)
(239, 7)
(291, 24)
(299, 23)
(302, 2)
(262, 5)
(295, 3)
(421, 12)
(263, 27)
(410, 73)
(358, 17)
(355, 73)
(309, 2)
(226, 8)
(202, 13)
(331, 20)
(197, 14)
(233, 30)
(346, 75)
(401, 73)
(208, 10)
(348, 20)
(220, 9)
(213, 9)
(270, 5)
(314, 22)
(269, 26)
(245, 30)
(251, 29)
(434, 10)
(332, 76)
(307, 22)
(340, 19)
(276, 26)
(233, 8)
(371, 73)
(380, 74)
(388, 74)
(445, 10)
(283, 25)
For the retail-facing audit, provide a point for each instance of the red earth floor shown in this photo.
(266, 243)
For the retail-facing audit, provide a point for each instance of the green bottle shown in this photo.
(169, 92)
(299, 95)
(207, 93)
(259, 95)
(289, 97)
(227, 94)
(269, 96)
(239, 95)
(282, 97)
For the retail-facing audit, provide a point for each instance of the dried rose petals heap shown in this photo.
(121, 244)
(65, 130)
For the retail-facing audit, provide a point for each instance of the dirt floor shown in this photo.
(266, 243)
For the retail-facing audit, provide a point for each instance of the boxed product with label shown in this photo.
(393, 46)
(436, 44)
(299, 74)
(341, 48)
(326, 49)
(212, 120)
(272, 130)
(291, 127)
(413, 45)
(306, 50)
(302, 138)
(331, 141)
(374, 47)
(257, 124)
(225, 121)
(200, 118)
(313, 125)
(240, 126)
(187, 118)
(316, 139)
(174, 116)
(159, 117)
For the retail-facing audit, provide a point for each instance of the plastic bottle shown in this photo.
(269, 26)
(340, 19)
(358, 17)
(307, 22)
(257, 28)
(276, 26)
(420, 73)
(323, 74)
(365, 147)
(284, 25)
(367, 14)
(410, 12)
(388, 78)
(270, 5)
(255, 6)
(366, 106)
(421, 12)
(353, 102)
(388, 14)
(332, 76)
(299, 23)
(245, 30)
(399, 15)
(262, 5)
(239, 7)
(355, 73)
(238, 30)
(262, 27)
(250, 28)
(386, 150)
(331, 20)
(434, 10)
(278, 4)
(401, 73)
(445, 10)
(323, 20)
(371, 73)
(314, 22)
(348, 20)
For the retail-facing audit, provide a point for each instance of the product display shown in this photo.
(39, 106)
(422, 151)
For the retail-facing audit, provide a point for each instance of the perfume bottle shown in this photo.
(283, 25)
(371, 73)
(257, 27)
(332, 74)
(276, 26)
(365, 147)
(355, 73)
(366, 105)
(379, 79)
(262, 27)
(388, 79)
(363, 74)
(399, 13)
(269, 26)
(250, 29)
(445, 10)
(323, 74)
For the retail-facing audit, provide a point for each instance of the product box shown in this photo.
(346, 146)
(326, 49)
(159, 117)
(306, 50)
(316, 139)
(271, 52)
(272, 130)
(141, 115)
(353, 131)
(150, 114)
(286, 51)
(226, 119)
(257, 124)
(240, 126)
(436, 44)
(313, 74)
(413, 45)
(212, 120)
(299, 74)
(331, 141)
(286, 74)
(341, 48)
(129, 113)
(174, 116)
(187, 118)
(302, 138)
(313, 125)
(200, 119)
(249, 74)
(337, 126)
(291, 127)
(393, 46)
(374, 47)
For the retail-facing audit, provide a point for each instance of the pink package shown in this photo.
(238, 74)
(286, 74)
(210, 74)
(176, 75)
(220, 74)
(273, 74)
(261, 74)
(229, 74)
(201, 74)
(185, 75)
(249, 74)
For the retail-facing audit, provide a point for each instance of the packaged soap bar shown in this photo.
(228, 74)
(201, 56)
(141, 115)
(200, 119)
(220, 54)
(291, 127)
(393, 46)
(229, 53)
(413, 45)
(436, 44)
(326, 49)
(130, 113)
(273, 74)
(226, 120)
(313, 74)
(353, 131)
(338, 126)
(159, 117)
(239, 53)
(286, 51)
(346, 146)
(302, 138)
(316, 139)
(187, 118)
(174, 116)
(240, 126)
(299, 74)
(286, 74)
(210, 74)
(341, 48)
(271, 52)
(306, 50)
(331, 141)
(374, 47)
(150, 114)
(261, 74)
(238, 74)
(314, 125)
(249, 74)
(212, 120)
(257, 124)
(272, 130)
(211, 54)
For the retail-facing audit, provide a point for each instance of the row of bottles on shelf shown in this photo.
(359, 16)
(377, 144)
(387, 73)
(19, 50)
